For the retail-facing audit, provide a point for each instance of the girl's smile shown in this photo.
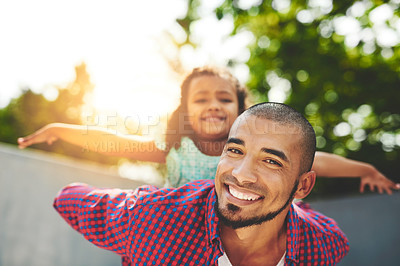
(213, 118)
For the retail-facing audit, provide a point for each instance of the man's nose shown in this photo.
(244, 171)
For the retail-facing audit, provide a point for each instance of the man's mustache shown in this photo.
(227, 178)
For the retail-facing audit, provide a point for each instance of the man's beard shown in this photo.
(256, 220)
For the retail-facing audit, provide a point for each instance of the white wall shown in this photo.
(31, 232)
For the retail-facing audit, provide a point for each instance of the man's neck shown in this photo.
(262, 244)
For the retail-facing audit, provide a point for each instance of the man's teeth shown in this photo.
(241, 196)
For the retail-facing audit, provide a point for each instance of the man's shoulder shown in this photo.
(317, 234)
(191, 193)
(312, 220)
(314, 238)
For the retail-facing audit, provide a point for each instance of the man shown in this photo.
(246, 218)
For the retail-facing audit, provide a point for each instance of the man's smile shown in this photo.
(240, 196)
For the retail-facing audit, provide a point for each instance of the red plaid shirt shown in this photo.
(179, 226)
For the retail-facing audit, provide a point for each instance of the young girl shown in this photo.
(211, 99)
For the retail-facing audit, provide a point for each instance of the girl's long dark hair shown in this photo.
(175, 126)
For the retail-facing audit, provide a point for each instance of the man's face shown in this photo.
(258, 172)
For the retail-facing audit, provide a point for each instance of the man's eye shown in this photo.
(233, 150)
(270, 161)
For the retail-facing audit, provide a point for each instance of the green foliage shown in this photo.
(349, 91)
(30, 111)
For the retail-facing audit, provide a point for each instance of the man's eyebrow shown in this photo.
(280, 154)
(235, 140)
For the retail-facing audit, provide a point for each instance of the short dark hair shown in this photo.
(285, 114)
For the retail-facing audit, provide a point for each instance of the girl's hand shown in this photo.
(45, 134)
(376, 180)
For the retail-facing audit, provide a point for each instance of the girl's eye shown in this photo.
(270, 161)
(200, 101)
(226, 100)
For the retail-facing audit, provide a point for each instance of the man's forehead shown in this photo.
(258, 125)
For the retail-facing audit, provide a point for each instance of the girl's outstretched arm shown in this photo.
(99, 140)
(331, 165)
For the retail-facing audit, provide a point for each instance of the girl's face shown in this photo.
(212, 107)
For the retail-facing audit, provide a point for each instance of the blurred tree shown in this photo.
(336, 61)
(30, 111)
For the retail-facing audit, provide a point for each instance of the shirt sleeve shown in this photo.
(102, 216)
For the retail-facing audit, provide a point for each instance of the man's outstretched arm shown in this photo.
(100, 215)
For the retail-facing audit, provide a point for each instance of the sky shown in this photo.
(42, 41)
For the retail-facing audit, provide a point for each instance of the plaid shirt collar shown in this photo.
(293, 229)
(212, 219)
(212, 229)
(292, 247)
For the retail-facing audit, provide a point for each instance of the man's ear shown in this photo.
(306, 183)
